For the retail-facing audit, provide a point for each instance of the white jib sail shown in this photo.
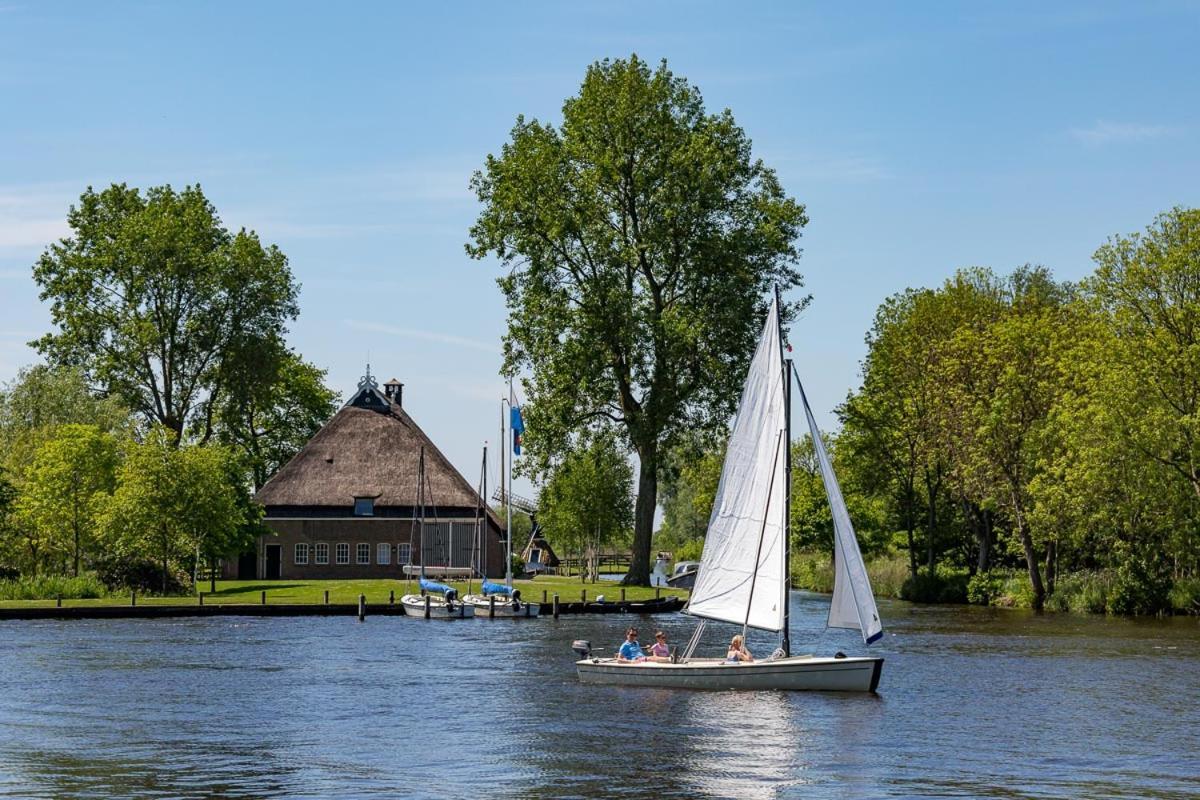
(748, 511)
(853, 604)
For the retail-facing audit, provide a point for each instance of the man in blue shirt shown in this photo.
(630, 649)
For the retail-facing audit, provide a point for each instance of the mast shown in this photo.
(481, 531)
(786, 643)
(505, 493)
(421, 504)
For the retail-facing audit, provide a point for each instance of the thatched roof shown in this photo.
(371, 448)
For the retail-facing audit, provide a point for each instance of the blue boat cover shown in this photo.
(434, 586)
(490, 588)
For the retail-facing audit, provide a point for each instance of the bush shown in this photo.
(1138, 589)
(984, 587)
(1016, 591)
(143, 576)
(1081, 591)
(888, 574)
(48, 587)
(812, 572)
(689, 550)
(943, 586)
(1185, 596)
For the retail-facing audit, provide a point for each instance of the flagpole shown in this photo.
(508, 498)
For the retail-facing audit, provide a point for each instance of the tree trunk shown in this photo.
(910, 528)
(1031, 559)
(164, 560)
(985, 540)
(643, 516)
(1051, 566)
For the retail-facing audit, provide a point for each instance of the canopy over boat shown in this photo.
(441, 588)
(489, 588)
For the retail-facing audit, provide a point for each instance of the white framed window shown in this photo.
(364, 506)
(404, 553)
(300, 557)
(342, 553)
(383, 553)
(363, 553)
(321, 553)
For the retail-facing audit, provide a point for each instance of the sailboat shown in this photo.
(496, 599)
(436, 599)
(743, 574)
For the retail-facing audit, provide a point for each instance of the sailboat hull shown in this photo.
(504, 607)
(796, 673)
(414, 606)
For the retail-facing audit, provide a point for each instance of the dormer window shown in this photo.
(364, 506)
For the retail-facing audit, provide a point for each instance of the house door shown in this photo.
(274, 561)
(247, 569)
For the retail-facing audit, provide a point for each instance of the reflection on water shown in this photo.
(973, 703)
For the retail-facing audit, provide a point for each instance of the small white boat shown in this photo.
(810, 673)
(497, 605)
(438, 607)
(743, 574)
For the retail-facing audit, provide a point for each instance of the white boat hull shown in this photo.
(796, 673)
(414, 606)
(503, 607)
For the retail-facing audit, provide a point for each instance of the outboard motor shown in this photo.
(583, 647)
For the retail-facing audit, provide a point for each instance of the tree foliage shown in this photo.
(160, 305)
(640, 240)
(587, 503)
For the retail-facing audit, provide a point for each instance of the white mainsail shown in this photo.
(853, 603)
(748, 512)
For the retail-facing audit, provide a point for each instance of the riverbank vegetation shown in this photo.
(88, 591)
(1016, 440)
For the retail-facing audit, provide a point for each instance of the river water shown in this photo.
(973, 703)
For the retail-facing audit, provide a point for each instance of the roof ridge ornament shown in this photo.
(367, 381)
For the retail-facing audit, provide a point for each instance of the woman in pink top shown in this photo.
(659, 650)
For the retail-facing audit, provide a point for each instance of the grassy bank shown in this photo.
(1117, 591)
(340, 591)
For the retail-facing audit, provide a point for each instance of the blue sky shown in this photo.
(921, 137)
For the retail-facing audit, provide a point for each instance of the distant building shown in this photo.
(347, 505)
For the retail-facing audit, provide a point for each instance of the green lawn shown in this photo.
(347, 591)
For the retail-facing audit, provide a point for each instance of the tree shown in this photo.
(278, 413)
(688, 487)
(641, 241)
(155, 301)
(173, 503)
(67, 487)
(587, 503)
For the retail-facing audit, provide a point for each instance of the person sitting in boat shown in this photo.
(659, 651)
(738, 651)
(630, 650)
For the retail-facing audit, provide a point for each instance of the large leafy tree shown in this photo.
(155, 300)
(67, 487)
(640, 240)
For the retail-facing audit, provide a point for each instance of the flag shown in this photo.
(515, 422)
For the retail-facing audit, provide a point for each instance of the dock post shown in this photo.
(426, 606)
(200, 597)
(657, 592)
(362, 607)
(543, 597)
(622, 594)
(264, 597)
(556, 605)
(392, 597)
(491, 606)
(133, 598)
(583, 595)
(326, 597)
(58, 601)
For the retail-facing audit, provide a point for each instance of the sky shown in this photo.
(921, 137)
